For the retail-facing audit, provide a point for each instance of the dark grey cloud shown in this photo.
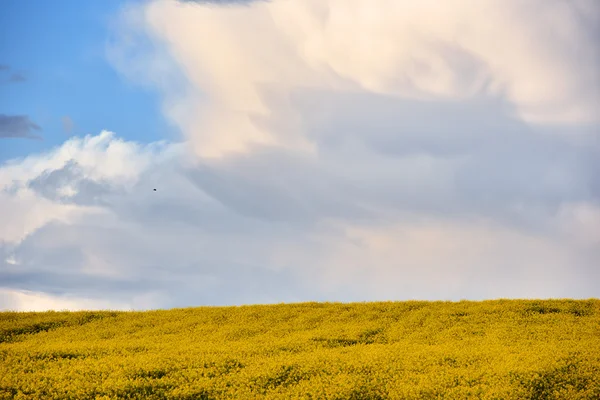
(4, 67)
(18, 126)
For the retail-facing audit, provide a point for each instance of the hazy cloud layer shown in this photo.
(18, 126)
(334, 150)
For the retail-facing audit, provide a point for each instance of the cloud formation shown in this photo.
(539, 56)
(18, 126)
(82, 222)
(333, 150)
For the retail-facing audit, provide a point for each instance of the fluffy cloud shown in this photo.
(243, 62)
(87, 230)
(333, 150)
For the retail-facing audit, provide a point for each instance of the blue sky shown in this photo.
(314, 150)
(60, 49)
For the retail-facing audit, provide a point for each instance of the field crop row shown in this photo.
(503, 349)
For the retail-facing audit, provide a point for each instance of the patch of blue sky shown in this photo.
(59, 47)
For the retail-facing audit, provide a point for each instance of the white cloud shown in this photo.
(238, 230)
(438, 259)
(101, 156)
(20, 300)
(539, 55)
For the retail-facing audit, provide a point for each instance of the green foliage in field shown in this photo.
(505, 349)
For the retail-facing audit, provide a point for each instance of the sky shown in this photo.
(55, 76)
(301, 150)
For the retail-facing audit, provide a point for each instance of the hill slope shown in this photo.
(505, 349)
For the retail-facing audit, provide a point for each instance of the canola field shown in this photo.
(502, 349)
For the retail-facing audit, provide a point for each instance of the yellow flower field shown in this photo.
(501, 349)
